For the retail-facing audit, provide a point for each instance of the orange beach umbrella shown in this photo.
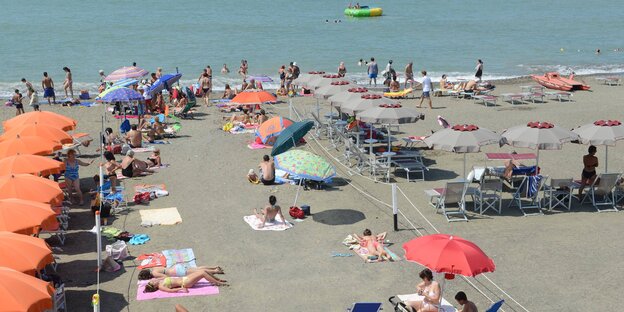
(39, 130)
(24, 253)
(253, 97)
(30, 164)
(24, 216)
(22, 292)
(28, 145)
(41, 117)
(30, 187)
(270, 129)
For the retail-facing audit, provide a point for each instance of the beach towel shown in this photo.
(88, 104)
(363, 253)
(254, 145)
(446, 306)
(144, 149)
(142, 188)
(126, 116)
(202, 288)
(254, 222)
(159, 167)
(180, 256)
(242, 130)
(163, 216)
(160, 142)
(151, 260)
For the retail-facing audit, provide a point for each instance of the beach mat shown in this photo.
(151, 260)
(163, 216)
(363, 253)
(202, 288)
(255, 145)
(142, 188)
(446, 306)
(184, 256)
(160, 142)
(145, 149)
(254, 222)
(126, 116)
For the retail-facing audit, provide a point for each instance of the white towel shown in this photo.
(277, 225)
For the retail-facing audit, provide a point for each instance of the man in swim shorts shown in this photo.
(48, 88)
(372, 71)
(267, 167)
(427, 88)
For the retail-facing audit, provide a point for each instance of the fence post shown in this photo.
(95, 302)
(395, 207)
(98, 236)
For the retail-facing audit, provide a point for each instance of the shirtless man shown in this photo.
(134, 137)
(269, 212)
(17, 102)
(242, 70)
(48, 88)
(68, 84)
(205, 83)
(267, 167)
(409, 74)
(467, 306)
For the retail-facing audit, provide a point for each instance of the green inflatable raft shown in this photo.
(363, 11)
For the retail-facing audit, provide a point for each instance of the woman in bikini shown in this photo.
(178, 270)
(430, 290)
(374, 244)
(177, 284)
(68, 84)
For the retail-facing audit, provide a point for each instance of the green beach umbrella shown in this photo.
(305, 165)
(290, 136)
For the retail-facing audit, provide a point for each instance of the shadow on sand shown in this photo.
(338, 217)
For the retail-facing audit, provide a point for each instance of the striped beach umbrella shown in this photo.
(125, 73)
(121, 95)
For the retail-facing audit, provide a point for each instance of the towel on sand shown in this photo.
(180, 256)
(163, 216)
(354, 245)
(254, 145)
(202, 288)
(277, 225)
(142, 188)
(145, 149)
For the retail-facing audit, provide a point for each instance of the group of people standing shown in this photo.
(47, 85)
(287, 75)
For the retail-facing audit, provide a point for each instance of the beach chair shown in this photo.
(486, 99)
(410, 165)
(559, 95)
(56, 231)
(186, 112)
(321, 126)
(365, 307)
(496, 306)
(559, 193)
(380, 167)
(488, 196)
(453, 194)
(59, 301)
(527, 196)
(512, 98)
(601, 192)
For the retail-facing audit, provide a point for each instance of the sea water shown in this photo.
(513, 38)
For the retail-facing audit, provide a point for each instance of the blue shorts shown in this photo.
(372, 76)
(425, 94)
(48, 92)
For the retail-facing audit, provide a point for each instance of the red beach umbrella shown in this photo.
(445, 253)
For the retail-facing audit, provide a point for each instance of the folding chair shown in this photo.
(496, 306)
(452, 194)
(55, 231)
(488, 196)
(559, 193)
(365, 307)
(602, 193)
(527, 196)
(59, 299)
(320, 125)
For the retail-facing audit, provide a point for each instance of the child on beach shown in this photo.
(17, 101)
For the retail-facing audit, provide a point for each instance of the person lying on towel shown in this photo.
(181, 284)
(178, 270)
(374, 244)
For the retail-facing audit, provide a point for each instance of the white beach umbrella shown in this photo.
(335, 87)
(462, 139)
(345, 96)
(365, 102)
(323, 80)
(601, 132)
(539, 136)
(393, 114)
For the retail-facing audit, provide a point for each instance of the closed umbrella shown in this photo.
(462, 139)
(269, 130)
(30, 164)
(290, 136)
(39, 130)
(539, 136)
(22, 292)
(41, 117)
(365, 102)
(23, 253)
(304, 165)
(125, 73)
(24, 216)
(253, 98)
(30, 187)
(29, 145)
(164, 83)
(601, 132)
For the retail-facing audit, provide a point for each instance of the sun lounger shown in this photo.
(513, 97)
(601, 192)
(365, 307)
(527, 196)
(559, 95)
(411, 140)
(412, 166)
(394, 300)
(485, 99)
(453, 194)
(609, 81)
(533, 97)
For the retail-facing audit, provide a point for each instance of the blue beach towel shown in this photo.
(532, 185)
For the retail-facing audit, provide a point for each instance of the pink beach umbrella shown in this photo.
(126, 73)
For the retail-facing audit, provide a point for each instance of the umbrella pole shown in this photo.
(318, 109)
(370, 145)
(465, 167)
(537, 163)
(297, 194)
(606, 157)
(290, 109)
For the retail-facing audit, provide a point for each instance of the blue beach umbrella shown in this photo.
(121, 95)
(164, 83)
(125, 82)
(290, 136)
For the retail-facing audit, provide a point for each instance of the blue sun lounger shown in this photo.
(365, 307)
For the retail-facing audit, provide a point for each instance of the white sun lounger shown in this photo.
(486, 99)
(559, 95)
(446, 306)
(513, 97)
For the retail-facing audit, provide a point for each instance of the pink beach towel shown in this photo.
(254, 145)
(202, 288)
(126, 116)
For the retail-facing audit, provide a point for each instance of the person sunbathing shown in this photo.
(261, 117)
(178, 270)
(177, 284)
(131, 166)
(510, 165)
(444, 84)
(154, 159)
(374, 244)
(228, 93)
(270, 212)
(394, 86)
(242, 118)
(430, 290)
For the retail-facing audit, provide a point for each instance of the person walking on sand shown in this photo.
(68, 84)
(48, 88)
(372, 71)
(267, 168)
(205, 85)
(409, 75)
(270, 212)
(427, 88)
(29, 87)
(17, 101)
(479, 70)
(588, 175)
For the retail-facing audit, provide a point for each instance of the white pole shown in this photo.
(297, 194)
(465, 168)
(290, 108)
(395, 207)
(537, 163)
(95, 302)
(318, 108)
(98, 236)
(606, 157)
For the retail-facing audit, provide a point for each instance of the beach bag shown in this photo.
(118, 250)
(398, 305)
(142, 198)
(109, 265)
(228, 126)
(125, 126)
(115, 149)
(296, 212)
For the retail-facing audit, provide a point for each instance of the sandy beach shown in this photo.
(560, 261)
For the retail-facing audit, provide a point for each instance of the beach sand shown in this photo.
(555, 262)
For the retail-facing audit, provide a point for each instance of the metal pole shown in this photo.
(465, 167)
(98, 236)
(395, 207)
(290, 109)
(297, 195)
(606, 157)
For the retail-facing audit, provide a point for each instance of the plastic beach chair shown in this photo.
(496, 306)
(601, 192)
(527, 196)
(453, 194)
(365, 307)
